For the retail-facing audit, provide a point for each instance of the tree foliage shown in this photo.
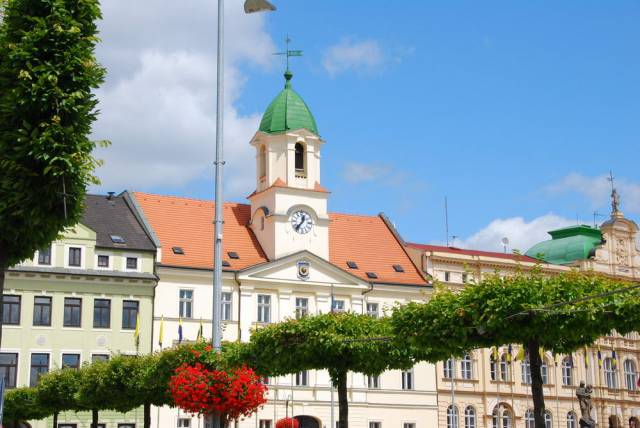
(526, 308)
(21, 405)
(56, 391)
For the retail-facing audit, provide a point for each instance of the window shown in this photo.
(470, 417)
(506, 417)
(407, 379)
(529, 421)
(42, 310)
(71, 361)
(75, 257)
(101, 313)
(126, 425)
(548, 420)
(526, 371)
(567, 375)
(184, 423)
(67, 425)
(265, 423)
(505, 375)
(264, 308)
(302, 378)
(375, 424)
(493, 367)
(39, 366)
(571, 420)
(302, 307)
(262, 163)
(466, 367)
(630, 375)
(11, 310)
(372, 310)
(299, 161)
(448, 369)
(409, 425)
(9, 368)
(452, 417)
(226, 306)
(447, 276)
(99, 357)
(130, 314)
(610, 373)
(338, 306)
(373, 382)
(186, 303)
(103, 261)
(72, 312)
(44, 256)
(132, 263)
(544, 372)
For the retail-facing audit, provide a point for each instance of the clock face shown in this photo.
(301, 222)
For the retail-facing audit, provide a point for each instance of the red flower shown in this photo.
(288, 423)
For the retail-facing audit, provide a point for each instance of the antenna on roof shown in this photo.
(446, 219)
(596, 214)
(453, 240)
(505, 243)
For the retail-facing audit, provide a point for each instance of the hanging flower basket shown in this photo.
(288, 423)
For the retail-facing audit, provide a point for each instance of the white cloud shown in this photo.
(363, 57)
(158, 103)
(522, 235)
(355, 172)
(598, 190)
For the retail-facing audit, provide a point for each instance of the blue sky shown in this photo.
(515, 111)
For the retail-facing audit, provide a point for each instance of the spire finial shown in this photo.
(288, 75)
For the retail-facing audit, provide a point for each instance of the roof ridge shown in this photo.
(185, 198)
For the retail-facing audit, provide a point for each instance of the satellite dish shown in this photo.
(505, 241)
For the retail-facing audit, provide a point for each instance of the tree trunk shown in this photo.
(94, 419)
(147, 415)
(343, 401)
(55, 419)
(535, 364)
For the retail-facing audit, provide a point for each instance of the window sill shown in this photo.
(74, 328)
(102, 329)
(42, 327)
(12, 326)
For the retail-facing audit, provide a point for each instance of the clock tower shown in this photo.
(289, 206)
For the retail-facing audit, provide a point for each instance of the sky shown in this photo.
(514, 111)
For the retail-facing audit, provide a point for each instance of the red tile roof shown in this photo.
(188, 223)
(454, 250)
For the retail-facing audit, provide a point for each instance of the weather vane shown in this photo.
(289, 53)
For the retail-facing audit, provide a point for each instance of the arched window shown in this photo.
(466, 367)
(548, 419)
(493, 367)
(504, 368)
(630, 375)
(452, 417)
(448, 369)
(529, 422)
(470, 417)
(506, 417)
(299, 161)
(544, 372)
(610, 373)
(567, 371)
(571, 420)
(262, 161)
(526, 371)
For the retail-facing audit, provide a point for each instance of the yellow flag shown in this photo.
(586, 357)
(494, 353)
(161, 332)
(520, 354)
(541, 351)
(136, 333)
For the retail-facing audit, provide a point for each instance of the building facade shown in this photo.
(78, 301)
(286, 255)
(491, 388)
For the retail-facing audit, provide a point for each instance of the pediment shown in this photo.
(287, 270)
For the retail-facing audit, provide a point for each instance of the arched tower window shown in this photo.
(299, 161)
(262, 164)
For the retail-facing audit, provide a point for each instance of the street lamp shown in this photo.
(250, 6)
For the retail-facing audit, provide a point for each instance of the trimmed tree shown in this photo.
(21, 405)
(338, 342)
(56, 392)
(47, 72)
(559, 313)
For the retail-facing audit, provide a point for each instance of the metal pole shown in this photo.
(333, 423)
(216, 332)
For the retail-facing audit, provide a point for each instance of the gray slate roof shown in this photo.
(113, 216)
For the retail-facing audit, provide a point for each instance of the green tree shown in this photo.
(559, 313)
(47, 72)
(21, 405)
(56, 392)
(337, 342)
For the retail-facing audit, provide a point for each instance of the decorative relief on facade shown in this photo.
(622, 255)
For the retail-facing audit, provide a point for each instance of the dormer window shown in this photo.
(262, 162)
(299, 161)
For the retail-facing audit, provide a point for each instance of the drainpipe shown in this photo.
(235, 277)
(369, 290)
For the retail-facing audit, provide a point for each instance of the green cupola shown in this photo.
(568, 245)
(287, 111)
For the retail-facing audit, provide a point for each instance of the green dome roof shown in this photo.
(287, 111)
(568, 245)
